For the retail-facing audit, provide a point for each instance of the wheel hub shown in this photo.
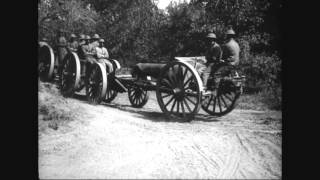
(178, 94)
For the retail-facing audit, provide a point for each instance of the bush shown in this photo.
(53, 109)
(263, 74)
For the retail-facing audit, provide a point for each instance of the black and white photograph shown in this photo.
(159, 89)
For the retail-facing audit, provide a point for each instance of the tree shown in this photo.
(69, 15)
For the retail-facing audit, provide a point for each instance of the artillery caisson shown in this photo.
(179, 88)
(72, 80)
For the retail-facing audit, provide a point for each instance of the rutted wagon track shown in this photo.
(118, 141)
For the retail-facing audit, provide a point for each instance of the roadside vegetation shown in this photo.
(53, 109)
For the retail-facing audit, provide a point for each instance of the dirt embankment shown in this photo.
(118, 141)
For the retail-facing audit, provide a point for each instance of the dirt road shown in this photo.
(118, 141)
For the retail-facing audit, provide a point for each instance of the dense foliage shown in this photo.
(137, 31)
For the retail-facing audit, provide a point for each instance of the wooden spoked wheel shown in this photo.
(138, 97)
(96, 85)
(46, 62)
(111, 94)
(179, 90)
(225, 92)
(70, 74)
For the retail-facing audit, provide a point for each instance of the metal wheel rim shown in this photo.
(96, 86)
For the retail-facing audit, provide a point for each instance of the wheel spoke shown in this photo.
(219, 104)
(166, 95)
(230, 99)
(144, 93)
(138, 100)
(168, 79)
(211, 98)
(188, 107)
(214, 104)
(171, 76)
(134, 93)
(224, 102)
(184, 74)
(175, 74)
(174, 103)
(135, 100)
(189, 79)
(182, 107)
(178, 104)
(180, 76)
(169, 101)
(190, 100)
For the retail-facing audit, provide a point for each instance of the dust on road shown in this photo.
(117, 141)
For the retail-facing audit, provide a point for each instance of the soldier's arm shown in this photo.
(232, 55)
(106, 54)
(93, 51)
(98, 53)
(84, 50)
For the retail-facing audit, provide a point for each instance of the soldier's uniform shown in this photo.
(62, 49)
(73, 43)
(213, 55)
(103, 56)
(231, 50)
(82, 40)
(94, 43)
(86, 55)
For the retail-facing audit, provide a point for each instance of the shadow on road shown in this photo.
(80, 97)
(149, 114)
(159, 116)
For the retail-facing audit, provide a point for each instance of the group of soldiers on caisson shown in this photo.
(89, 49)
(228, 52)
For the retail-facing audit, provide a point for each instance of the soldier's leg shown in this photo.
(83, 68)
(108, 65)
(206, 74)
(90, 62)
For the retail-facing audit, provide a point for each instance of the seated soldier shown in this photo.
(231, 49)
(213, 55)
(86, 55)
(73, 43)
(95, 41)
(62, 48)
(103, 55)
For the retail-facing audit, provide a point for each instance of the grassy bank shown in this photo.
(53, 109)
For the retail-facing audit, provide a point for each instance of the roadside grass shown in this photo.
(260, 101)
(53, 109)
(253, 102)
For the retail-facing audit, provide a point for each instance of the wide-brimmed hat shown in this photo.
(73, 36)
(88, 37)
(96, 36)
(211, 35)
(230, 32)
(101, 40)
(82, 37)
